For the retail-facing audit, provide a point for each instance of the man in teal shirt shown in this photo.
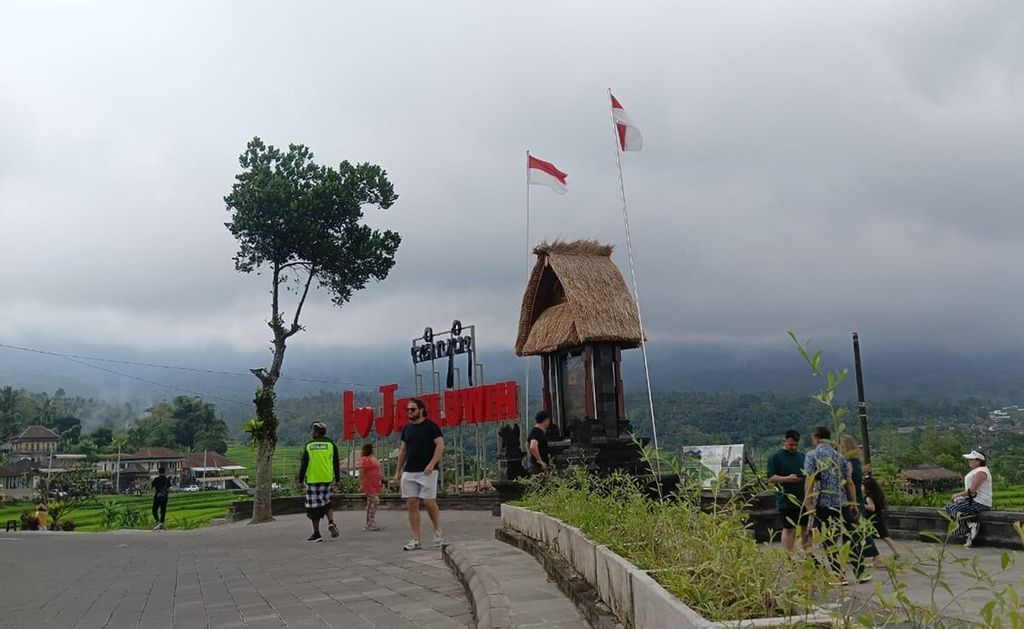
(786, 470)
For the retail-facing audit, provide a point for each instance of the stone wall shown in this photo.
(485, 501)
(912, 523)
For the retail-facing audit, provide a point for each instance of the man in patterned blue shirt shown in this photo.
(829, 493)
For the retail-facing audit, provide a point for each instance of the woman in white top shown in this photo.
(974, 499)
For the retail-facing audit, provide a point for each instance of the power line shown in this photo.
(153, 382)
(176, 367)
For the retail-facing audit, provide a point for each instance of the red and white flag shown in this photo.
(629, 136)
(543, 173)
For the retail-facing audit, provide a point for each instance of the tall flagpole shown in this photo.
(636, 292)
(524, 422)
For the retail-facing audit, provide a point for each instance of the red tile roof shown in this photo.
(212, 459)
(37, 432)
(153, 453)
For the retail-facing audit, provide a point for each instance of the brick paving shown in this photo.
(237, 576)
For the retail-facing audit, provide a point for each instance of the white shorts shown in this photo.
(417, 485)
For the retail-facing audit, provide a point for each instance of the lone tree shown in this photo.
(301, 222)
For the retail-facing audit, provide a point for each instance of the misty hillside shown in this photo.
(221, 376)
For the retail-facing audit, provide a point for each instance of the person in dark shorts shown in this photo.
(786, 469)
(876, 507)
(537, 443)
(319, 469)
(161, 488)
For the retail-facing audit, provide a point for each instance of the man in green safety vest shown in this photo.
(319, 469)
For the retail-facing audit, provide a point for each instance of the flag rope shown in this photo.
(636, 292)
(524, 422)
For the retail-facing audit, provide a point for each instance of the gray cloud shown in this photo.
(819, 167)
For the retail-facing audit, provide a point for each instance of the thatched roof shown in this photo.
(928, 473)
(575, 295)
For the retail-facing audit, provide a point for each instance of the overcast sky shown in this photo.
(818, 166)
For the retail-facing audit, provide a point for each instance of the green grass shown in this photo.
(286, 460)
(1005, 498)
(184, 510)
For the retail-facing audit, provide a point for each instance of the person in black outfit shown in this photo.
(537, 443)
(161, 486)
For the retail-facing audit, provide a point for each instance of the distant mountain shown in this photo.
(221, 375)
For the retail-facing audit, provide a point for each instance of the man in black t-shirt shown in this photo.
(418, 456)
(161, 486)
(537, 443)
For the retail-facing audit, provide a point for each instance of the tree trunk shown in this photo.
(265, 438)
(261, 506)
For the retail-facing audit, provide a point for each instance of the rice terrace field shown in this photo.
(286, 460)
(184, 510)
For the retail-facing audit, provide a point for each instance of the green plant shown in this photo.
(110, 514)
(29, 521)
(67, 525)
(699, 550)
(130, 516)
(186, 523)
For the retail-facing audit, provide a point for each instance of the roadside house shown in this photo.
(212, 470)
(35, 443)
(19, 479)
(138, 468)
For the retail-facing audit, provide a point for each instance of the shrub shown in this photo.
(111, 514)
(707, 558)
(28, 521)
(130, 517)
(67, 525)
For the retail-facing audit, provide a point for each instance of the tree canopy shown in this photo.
(302, 222)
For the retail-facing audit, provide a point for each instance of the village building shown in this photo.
(212, 470)
(35, 443)
(137, 469)
(19, 479)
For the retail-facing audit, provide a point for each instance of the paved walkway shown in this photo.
(237, 576)
(958, 569)
(256, 577)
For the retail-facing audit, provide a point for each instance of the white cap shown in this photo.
(974, 454)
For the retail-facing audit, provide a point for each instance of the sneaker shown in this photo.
(159, 526)
(972, 533)
(371, 527)
(438, 539)
(315, 537)
(864, 578)
(333, 529)
(413, 544)
(839, 582)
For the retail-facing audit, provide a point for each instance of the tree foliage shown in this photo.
(75, 487)
(302, 222)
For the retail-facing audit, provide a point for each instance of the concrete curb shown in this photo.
(491, 607)
(575, 587)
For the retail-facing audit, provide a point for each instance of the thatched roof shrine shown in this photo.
(575, 295)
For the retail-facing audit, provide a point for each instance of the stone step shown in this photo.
(508, 588)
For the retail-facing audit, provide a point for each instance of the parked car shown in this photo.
(190, 488)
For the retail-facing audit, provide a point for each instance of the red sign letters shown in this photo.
(488, 403)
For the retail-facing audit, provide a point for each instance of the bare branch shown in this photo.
(298, 308)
